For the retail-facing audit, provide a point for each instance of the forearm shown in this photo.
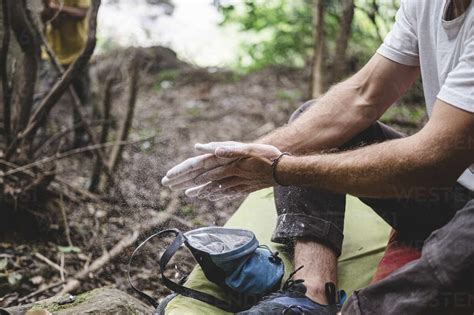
(63, 12)
(336, 117)
(73, 12)
(347, 109)
(395, 168)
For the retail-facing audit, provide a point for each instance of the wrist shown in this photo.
(286, 169)
(274, 165)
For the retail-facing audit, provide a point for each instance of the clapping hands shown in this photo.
(224, 170)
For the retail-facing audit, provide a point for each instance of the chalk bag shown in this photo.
(231, 258)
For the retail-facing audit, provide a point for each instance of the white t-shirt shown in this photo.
(444, 49)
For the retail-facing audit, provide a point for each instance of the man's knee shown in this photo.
(449, 249)
(297, 113)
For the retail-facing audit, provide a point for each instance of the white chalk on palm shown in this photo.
(193, 192)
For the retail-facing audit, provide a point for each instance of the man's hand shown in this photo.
(229, 169)
(183, 175)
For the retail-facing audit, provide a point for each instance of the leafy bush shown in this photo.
(281, 32)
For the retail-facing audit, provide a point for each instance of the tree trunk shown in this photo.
(317, 76)
(343, 40)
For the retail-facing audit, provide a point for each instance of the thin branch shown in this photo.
(107, 104)
(39, 291)
(65, 221)
(50, 263)
(124, 243)
(116, 153)
(14, 166)
(372, 15)
(70, 153)
(59, 135)
(78, 191)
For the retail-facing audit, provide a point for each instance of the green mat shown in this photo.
(366, 236)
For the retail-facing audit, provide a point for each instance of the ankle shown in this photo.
(316, 292)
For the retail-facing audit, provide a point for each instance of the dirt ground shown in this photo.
(181, 105)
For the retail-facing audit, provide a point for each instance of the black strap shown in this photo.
(188, 292)
(150, 300)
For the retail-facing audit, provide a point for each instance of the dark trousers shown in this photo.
(312, 214)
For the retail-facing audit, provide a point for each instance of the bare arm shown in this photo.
(52, 8)
(347, 109)
(434, 157)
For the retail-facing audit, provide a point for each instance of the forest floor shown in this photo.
(181, 105)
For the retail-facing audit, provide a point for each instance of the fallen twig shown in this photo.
(62, 267)
(77, 190)
(50, 263)
(66, 225)
(70, 153)
(128, 240)
(39, 291)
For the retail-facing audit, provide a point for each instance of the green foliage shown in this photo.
(281, 32)
(187, 210)
(411, 114)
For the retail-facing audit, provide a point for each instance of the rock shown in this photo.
(98, 301)
(150, 60)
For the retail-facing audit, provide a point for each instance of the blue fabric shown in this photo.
(304, 303)
(231, 260)
(259, 274)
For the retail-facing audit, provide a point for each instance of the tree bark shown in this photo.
(6, 88)
(30, 46)
(317, 76)
(342, 41)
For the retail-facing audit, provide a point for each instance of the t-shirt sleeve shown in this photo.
(401, 44)
(458, 89)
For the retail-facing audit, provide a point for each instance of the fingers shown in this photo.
(191, 168)
(233, 193)
(212, 146)
(235, 152)
(193, 192)
(224, 185)
(188, 165)
(183, 186)
(215, 174)
(248, 150)
(226, 169)
(175, 181)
